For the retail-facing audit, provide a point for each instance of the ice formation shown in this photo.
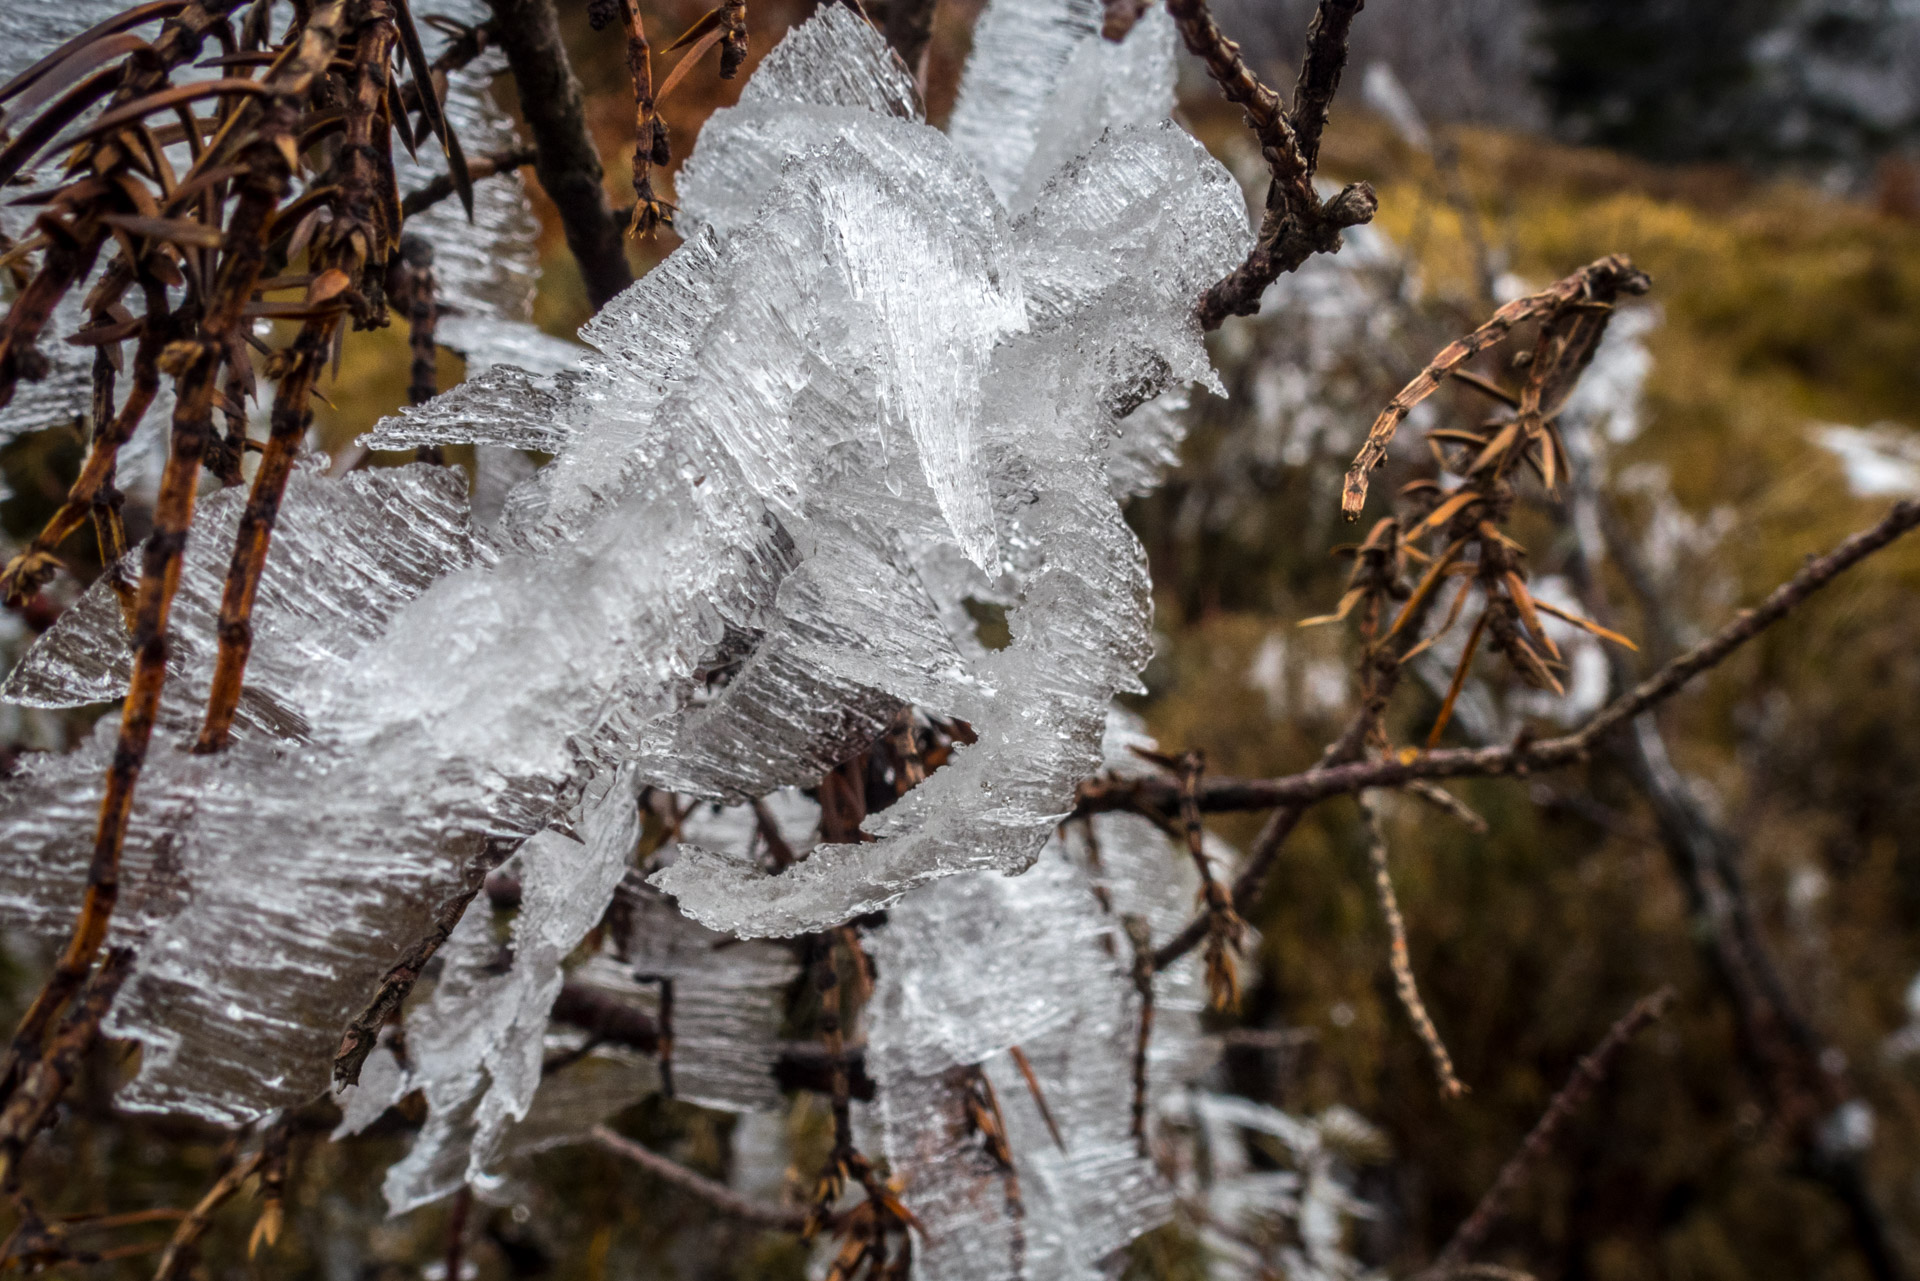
(1288, 1215)
(976, 965)
(892, 371)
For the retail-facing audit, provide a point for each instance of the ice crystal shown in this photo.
(891, 372)
(1289, 1218)
(976, 965)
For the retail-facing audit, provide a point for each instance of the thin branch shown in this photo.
(1021, 1061)
(179, 1253)
(489, 165)
(716, 1194)
(353, 253)
(48, 1078)
(1588, 1074)
(1289, 796)
(363, 1032)
(1297, 224)
(1143, 970)
(1402, 962)
(567, 164)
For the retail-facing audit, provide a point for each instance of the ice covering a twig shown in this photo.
(1288, 1215)
(975, 965)
(477, 1045)
(863, 394)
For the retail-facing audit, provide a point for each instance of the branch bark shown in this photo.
(1587, 1075)
(1297, 224)
(566, 163)
(716, 1194)
(1289, 796)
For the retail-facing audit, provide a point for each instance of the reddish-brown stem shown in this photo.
(356, 246)
(49, 1077)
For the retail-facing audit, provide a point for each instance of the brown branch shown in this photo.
(364, 1031)
(32, 568)
(1588, 1074)
(489, 165)
(716, 1194)
(180, 1250)
(1143, 969)
(650, 146)
(1297, 224)
(48, 1078)
(418, 294)
(1401, 960)
(909, 29)
(566, 163)
(1598, 283)
(457, 1232)
(1039, 1098)
(353, 256)
(1289, 796)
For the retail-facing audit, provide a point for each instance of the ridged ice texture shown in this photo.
(270, 886)
(825, 81)
(976, 964)
(729, 997)
(1022, 50)
(409, 528)
(476, 1046)
(793, 451)
(1147, 220)
(1258, 1221)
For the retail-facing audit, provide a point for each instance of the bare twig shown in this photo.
(179, 1252)
(418, 293)
(1447, 803)
(1297, 223)
(1588, 1074)
(1289, 796)
(49, 1076)
(718, 1195)
(567, 164)
(364, 1031)
(1143, 969)
(489, 165)
(1403, 980)
(1021, 1061)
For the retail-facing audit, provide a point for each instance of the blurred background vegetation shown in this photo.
(1748, 154)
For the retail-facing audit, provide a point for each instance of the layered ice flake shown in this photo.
(891, 370)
